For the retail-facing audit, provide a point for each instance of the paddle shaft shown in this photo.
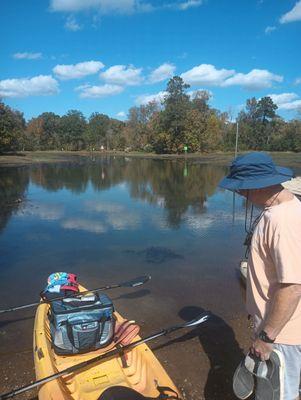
(101, 357)
(132, 283)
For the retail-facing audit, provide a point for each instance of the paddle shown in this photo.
(197, 321)
(133, 283)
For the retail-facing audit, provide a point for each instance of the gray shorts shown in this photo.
(292, 370)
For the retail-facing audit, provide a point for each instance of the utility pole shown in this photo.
(236, 147)
(236, 141)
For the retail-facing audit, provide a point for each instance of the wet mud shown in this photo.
(201, 361)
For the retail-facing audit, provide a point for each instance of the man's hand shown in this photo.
(261, 349)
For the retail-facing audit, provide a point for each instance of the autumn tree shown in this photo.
(12, 127)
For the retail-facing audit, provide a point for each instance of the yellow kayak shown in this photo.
(138, 370)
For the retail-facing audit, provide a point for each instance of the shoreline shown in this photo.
(43, 157)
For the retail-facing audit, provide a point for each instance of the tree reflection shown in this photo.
(13, 184)
(175, 185)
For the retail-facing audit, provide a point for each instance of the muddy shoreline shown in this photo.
(200, 361)
(42, 157)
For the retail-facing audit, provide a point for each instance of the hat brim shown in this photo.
(283, 175)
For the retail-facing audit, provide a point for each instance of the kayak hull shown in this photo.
(137, 369)
(243, 270)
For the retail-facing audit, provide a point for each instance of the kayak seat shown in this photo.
(125, 393)
(121, 393)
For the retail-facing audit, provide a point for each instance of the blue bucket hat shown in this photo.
(254, 171)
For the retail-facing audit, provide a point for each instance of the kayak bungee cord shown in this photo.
(132, 283)
(196, 321)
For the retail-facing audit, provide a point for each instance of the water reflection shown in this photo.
(174, 186)
(13, 185)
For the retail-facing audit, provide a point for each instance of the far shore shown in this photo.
(44, 157)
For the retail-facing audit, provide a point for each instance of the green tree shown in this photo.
(12, 127)
(97, 130)
(256, 123)
(72, 129)
(173, 117)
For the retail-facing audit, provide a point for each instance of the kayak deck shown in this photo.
(138, 369)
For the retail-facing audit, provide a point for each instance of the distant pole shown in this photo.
(236, 141)
(236, 146)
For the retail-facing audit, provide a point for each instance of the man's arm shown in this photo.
(283, 306)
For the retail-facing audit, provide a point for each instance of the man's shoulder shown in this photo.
(285, 214)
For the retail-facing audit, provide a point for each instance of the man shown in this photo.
(274, 264)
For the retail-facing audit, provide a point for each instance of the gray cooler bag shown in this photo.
(81, 324)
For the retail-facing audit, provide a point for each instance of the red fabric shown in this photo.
(73, 288)
(72, 278)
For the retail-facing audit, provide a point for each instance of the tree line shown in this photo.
(181, 122)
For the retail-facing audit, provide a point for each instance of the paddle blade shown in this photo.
(198, 320)
(137, 281)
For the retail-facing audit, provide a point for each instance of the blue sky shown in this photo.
(109, 55)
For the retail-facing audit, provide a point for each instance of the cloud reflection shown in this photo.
(48, 212)
(116, 216)
(84, 225)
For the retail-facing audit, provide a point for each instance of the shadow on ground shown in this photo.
(218, 341)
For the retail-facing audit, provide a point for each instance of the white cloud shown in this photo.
(209, 75)
(283, 98)
(292, 106)
(102, 6)
(75, 71)
(161, 73)
(121, 114)
(27, 56)
(298, 81)
(293, 15)
(254, 80)
(72, 25)
(147, 98)
(287, 101)
(88, 91)
(122, 75)
(190, 4)
(269, 29)
(206, 74)
(42, 85)
(119, 6)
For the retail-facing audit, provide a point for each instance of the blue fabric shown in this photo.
(57, 278)
(254, 171)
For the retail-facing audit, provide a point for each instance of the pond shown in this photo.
(110, 219)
